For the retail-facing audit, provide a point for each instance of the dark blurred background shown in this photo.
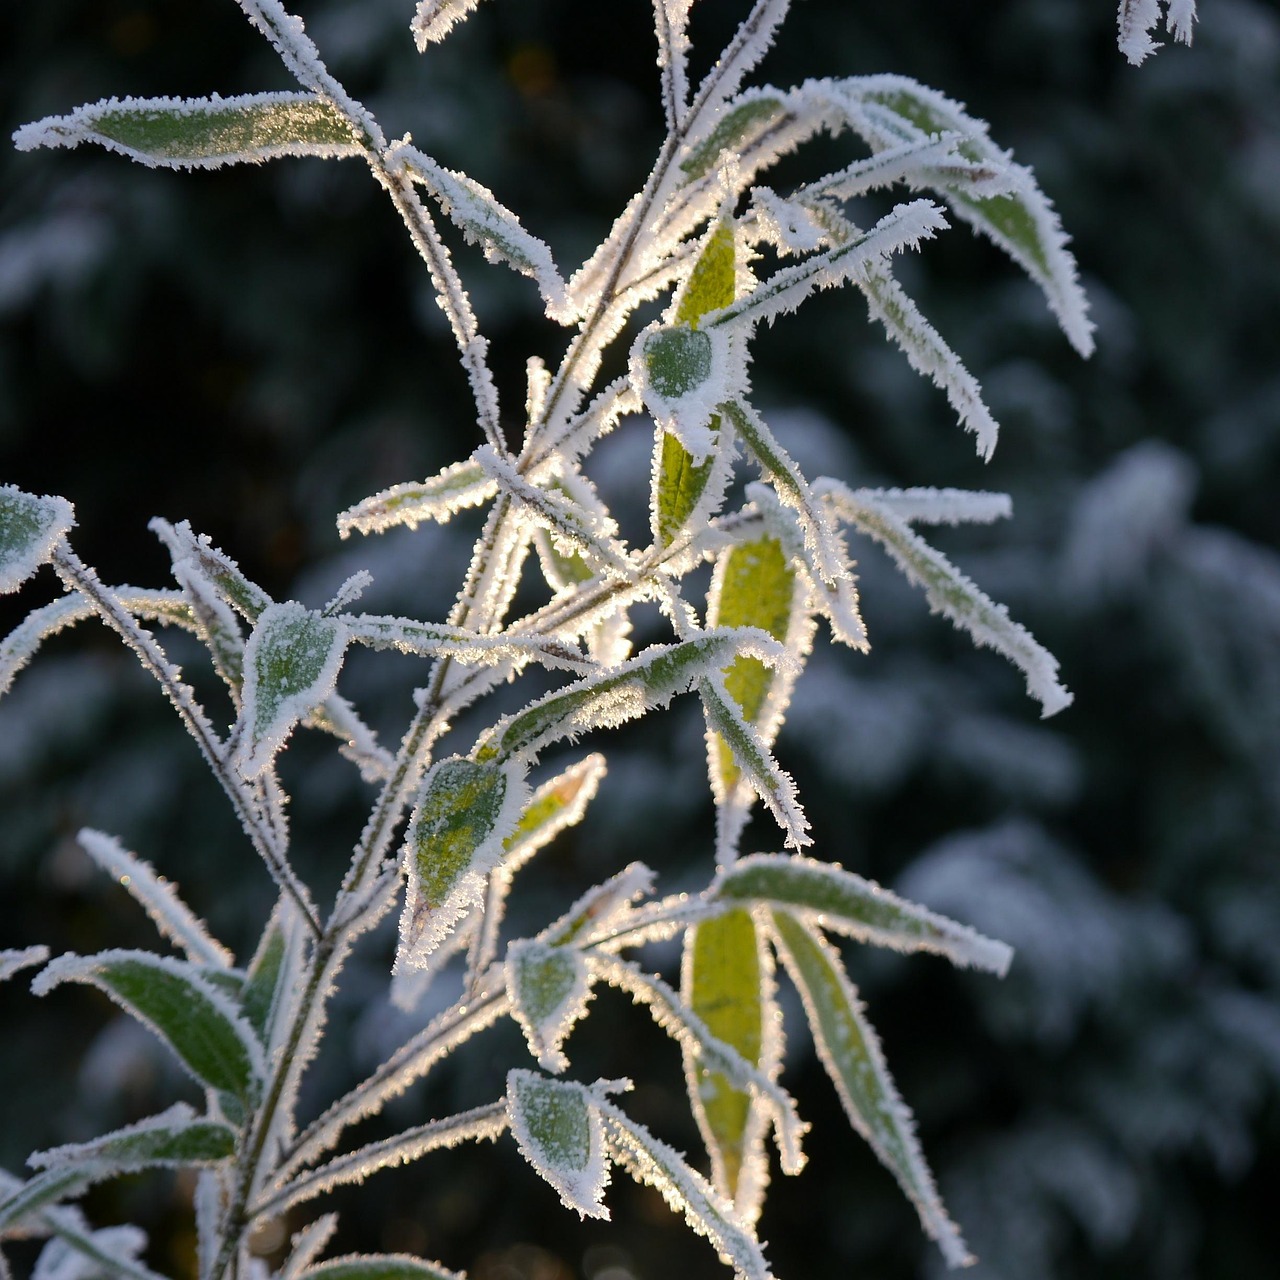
(257, 348)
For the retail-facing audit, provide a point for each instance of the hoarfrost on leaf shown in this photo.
(464, 814)
(557, 1125)
(851, 1053)
(202, 133)
(436, 18)
(30, 528)
(291, 665)
(548, 987)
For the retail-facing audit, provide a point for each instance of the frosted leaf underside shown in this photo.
(30, 528)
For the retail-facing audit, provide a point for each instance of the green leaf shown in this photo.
(858, 908)
(655, 1164)
(184, 133)
(549, 987)
(735, 129)
(176, 1137)
(755, 586)
(724, 982)
(1021, 220)
(291, 665)
(196, 1020)
(378, 1266)
(678, 359)
(851, 1054)
(678, 486)
(465, 812)
(462, 485)
(30, 528)
(711, 282)
(627, 691)
(559, 1132)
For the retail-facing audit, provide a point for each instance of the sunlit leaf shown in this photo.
(30, 528)
(548, 987)
(558, 1128)
(202, 133)
(464, 814)
(848, 904)
(851, 1053)
(291, 665)
(188, 1012)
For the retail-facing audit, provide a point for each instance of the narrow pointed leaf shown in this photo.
(846, 903)
(483, 220)
(464, 814)
(755, 114)
(755, 765)
(887, 110)
(679, 483)
(548, 987)
(30, 528)
(202, 133)
(655, 1164)
(247, 598)
(15, 960)
(462, 485)
(305, 1246)
(378, 1266)
(158, 897)
(291, 665)
(175, 1138)
(725, 983)
(949, 592)
(434, 19)
(557, 1126)
(45, 1189)
(189, 1013)
(851, 1053)
(601, 907)
(627, 691)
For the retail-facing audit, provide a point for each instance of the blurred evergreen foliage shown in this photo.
(254, 349)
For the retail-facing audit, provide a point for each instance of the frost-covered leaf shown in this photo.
(199, 1022)
(175, 1138)
(158, 897)
(823, 550)
(887, 110)
(949, 592)
(754, 585)
(554, 806)
(202, 133)
(30, 528)
(613, 697)
(434, 19)
(727, 982)
(750, 43)
(756, 768)
(457, 487)
(851, 1053)
(15, 960)
(929, 355)
(655, 1164)
(379, 1266)
(438, 640)
(591, 532)
(464, 814)
(291, 665)
(548, 987)
(684, 492)
(184, 545)
(1138, 18)
(904, 227)
(940, 506)
(593, 916)
(846, 903)
(754, 114)
(483, 220)
(78, 1253)
(557, 1125)
(274, 977)
(215, 624)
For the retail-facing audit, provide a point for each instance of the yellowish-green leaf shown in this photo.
(724, 982)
